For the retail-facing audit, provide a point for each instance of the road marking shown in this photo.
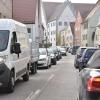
(36, 94)
(33, 96)
(51, 77)
(30, 95)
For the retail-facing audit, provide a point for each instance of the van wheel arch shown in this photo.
(11, 84)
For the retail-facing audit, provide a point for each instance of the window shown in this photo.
(22, 39)
(4, 38)
(53, 23)
(51, 33)
(0, 15)
(86, 25)
(29, 30)
(60, 23)
(65, 23)
(48, 25)
(4, 16)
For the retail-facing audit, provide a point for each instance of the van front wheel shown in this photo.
(26, 76)
(11, 83)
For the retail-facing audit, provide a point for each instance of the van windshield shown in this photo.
(4, 37)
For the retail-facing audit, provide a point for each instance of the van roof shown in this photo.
(9, 24)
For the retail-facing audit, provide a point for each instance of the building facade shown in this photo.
(30, 12)
(5, 8)
(92, 21)
(66, 37)
(59, 15)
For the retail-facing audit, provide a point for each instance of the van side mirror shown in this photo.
(17, 49)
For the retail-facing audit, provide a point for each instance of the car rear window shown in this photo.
(89, 53)
(94, 61)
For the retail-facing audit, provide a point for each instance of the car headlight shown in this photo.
(52, 55)
(44, 59)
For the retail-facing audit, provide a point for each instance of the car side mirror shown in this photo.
(17, 49)
(79, 55)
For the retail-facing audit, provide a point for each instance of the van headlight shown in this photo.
(3, 58)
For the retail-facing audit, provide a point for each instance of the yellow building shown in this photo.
(66, 37)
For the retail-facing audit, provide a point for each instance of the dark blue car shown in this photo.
(88, 52)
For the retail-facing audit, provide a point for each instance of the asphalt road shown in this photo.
(60, 82)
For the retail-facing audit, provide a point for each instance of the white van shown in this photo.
(14, 53)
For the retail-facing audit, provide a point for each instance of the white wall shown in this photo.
(52, 28)
(66, 16)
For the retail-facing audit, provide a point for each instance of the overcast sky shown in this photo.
(74, 1)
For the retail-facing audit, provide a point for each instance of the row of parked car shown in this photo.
(50, 56)
(87, 60)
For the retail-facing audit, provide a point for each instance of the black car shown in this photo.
(57, 52)
(78, 56)
(89, 79)
(74, 49)
(53, 56)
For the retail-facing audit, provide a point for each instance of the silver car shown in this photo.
(89, 79)
(44, 58)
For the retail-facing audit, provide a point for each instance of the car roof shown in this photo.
(91, 48)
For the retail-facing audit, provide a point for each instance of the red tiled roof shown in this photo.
(24, 10)
(51, 8)
(83, 8)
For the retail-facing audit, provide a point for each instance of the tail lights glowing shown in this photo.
(93, 84)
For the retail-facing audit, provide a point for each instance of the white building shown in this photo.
(59, 15)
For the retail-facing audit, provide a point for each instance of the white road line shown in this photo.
(36, 94)
(33, 96)
(51, 77)
(30, 95)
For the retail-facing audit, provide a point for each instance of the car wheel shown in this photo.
(33, 68)
(48, 66)
(11, 83)
(26, 76)
(36, 67)
(55, 62)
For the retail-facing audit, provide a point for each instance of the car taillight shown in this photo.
(93, 84)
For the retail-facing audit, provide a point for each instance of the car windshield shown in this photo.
(4, 37)
(42, 51)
